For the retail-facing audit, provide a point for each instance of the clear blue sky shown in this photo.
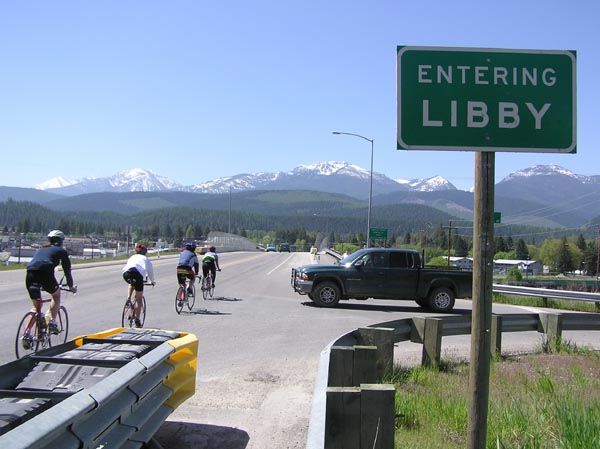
(195, 90)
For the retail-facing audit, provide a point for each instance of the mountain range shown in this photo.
(543, 195)
(331, 177)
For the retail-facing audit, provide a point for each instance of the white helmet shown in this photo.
(56, 236)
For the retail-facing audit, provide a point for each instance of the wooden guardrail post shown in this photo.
(552, 324)
(341, 361)
(383, 339)
(342, 418)
(429, 332)
(378, 413)
(496, 336)
(363, 366)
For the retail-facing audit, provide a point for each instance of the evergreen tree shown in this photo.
(565, 261)
(500, 245)
(522, 252)
(407, 238)
(590, 259)
(510, 245)
(581, 243)
(460, 246)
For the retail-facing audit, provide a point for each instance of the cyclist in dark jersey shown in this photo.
(210, 262)
(188, 265)
(40, 273)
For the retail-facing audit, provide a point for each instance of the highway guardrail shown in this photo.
(350, 410)
(107, 390)
(546, 293)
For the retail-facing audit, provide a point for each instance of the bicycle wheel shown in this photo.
(205, 287)
(180, 298)
(62, 321)
(27, 327)
(211, 288)
(191, 299)
(127, 315)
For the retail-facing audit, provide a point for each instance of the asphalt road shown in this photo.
(259, 343)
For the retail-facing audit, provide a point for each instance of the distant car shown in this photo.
(284, 247)
(271, 248)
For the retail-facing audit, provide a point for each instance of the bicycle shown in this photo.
(127, 315)
(184, 297)
(33, 333)
(208, 286)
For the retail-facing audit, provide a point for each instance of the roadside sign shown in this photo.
(486, 99)
(378, 234)
(497, 217)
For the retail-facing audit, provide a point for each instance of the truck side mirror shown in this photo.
(359, 263)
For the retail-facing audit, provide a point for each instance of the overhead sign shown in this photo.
(378, 234)
(486, 99)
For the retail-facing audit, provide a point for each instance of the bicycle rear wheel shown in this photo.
(211, 289)
(205, 287)
(191, 299)
(62, 321)
(180, 298)
(28, 328)
(127, 315)
(143, 311)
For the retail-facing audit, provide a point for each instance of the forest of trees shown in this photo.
(560, 251)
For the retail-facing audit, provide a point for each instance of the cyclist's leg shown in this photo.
(205, 270)
(213, 272)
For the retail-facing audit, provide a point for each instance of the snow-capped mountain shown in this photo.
(55, 183)
(433, 184)
(331, 177)
(550, 170)
(134, 180)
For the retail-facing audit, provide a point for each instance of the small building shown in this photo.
(464, 263)
(501, 266)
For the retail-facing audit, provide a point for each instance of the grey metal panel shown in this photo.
(149, 381)
(46, 427)
(144, 335)
(402, 328)
(90, 426)
(63, 377)
(111, 385)
(157, 355)
(456, 325)
(520, 322)
(152, 425)
(113, 437)
(144, 409)
(580, 322)
(13, 411)
(546, 293)
(12, 373)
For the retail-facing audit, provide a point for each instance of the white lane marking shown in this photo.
(289, 257)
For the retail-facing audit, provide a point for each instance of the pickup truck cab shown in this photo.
(383, 273)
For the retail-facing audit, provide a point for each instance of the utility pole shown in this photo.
(598, 255)
(449, 227)
(229, 226)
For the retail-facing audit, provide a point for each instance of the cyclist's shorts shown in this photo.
(40, 278)
(183, 272)
(133, 277)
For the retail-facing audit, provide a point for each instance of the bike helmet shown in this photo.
(190, 246)
(56, 236)
(141, 249)
(212, 249)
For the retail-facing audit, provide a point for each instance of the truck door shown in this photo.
(403, 275)
(369, 277)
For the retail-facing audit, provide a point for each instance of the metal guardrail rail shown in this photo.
(111, 389)
(546, 293)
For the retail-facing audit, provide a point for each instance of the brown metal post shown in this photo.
(481, 321)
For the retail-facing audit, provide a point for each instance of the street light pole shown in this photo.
(370, 180)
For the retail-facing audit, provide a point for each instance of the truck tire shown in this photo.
(441, 299)
(326, 294)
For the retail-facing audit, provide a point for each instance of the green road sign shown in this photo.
(486, 100)
(497, 217)
(378, 234)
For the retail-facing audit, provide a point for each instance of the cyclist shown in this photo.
(188, 265)
(40, 273)
(138, 266)
(210, 261)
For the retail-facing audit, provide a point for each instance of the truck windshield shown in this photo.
(351, 257)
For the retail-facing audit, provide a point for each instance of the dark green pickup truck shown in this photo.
(385, 274)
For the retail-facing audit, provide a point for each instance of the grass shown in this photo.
(538, 401)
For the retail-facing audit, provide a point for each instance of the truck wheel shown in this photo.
(441, 300)
(326, 294)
